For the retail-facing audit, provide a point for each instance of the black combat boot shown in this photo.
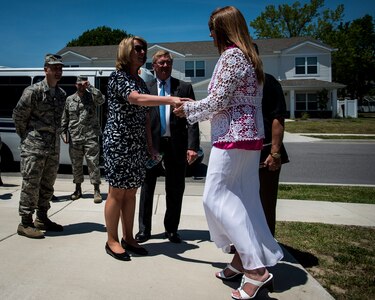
(27, 228)
(42, 222)
(77, 193)
(97, 195)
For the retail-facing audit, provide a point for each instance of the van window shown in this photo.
(11, 88)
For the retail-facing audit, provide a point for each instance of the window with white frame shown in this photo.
(306, 65)
(195, 68)
(306, 101)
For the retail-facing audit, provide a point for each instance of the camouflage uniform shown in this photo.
(81, 121)
(37, 119)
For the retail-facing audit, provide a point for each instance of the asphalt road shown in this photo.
(328, 162)
(334, 162)
(340, 162)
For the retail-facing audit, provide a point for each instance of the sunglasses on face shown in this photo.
(139, 48)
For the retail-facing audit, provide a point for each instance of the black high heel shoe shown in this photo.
(120, 256)
(260, 284)
(137, 250)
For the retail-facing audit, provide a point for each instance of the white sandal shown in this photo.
(260, 284)
(221, 274)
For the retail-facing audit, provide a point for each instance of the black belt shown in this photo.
(165, 139)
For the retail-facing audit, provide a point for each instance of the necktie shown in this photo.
(162, 110)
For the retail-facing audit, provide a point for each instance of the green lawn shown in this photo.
(333, 193)
(341, 258)
(347, 126)
(341, 137)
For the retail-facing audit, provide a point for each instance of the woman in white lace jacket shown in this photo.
(231, 197)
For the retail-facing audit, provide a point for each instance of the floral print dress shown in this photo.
(124, 137)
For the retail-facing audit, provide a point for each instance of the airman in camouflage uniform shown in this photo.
(81, 129)
(37, 118)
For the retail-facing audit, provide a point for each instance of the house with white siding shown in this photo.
(301, 64)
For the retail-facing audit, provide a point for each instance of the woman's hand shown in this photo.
(179, 111)
(176, 101)
(186, 99)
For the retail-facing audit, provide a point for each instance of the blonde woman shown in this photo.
(231, 196)
(124, 144)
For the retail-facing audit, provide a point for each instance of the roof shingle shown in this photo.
(200, 48)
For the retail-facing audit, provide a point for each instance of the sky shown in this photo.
(30, 29)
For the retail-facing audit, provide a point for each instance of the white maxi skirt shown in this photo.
(233, 208)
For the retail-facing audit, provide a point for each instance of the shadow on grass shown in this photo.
(306, 259)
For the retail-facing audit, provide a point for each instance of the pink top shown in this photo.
(245, 145)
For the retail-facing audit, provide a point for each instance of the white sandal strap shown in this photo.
(255, 282)
(243, 294)
(233, 269)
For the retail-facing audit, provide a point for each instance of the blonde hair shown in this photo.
(230, 28)
(124, 50)
(161, 53)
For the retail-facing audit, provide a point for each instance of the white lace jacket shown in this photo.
(234, 102)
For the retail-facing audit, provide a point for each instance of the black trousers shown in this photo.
(175, 169)
(269, 185)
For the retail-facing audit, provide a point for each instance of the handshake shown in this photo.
(179, 106)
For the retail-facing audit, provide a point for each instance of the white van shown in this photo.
(14, 80)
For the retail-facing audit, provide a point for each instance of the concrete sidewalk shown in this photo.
(73, 264)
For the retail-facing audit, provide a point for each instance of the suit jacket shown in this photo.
(273, 107)
(183, 135)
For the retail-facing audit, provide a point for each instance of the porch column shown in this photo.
(292, 104)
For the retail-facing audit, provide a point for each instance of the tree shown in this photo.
(99, 36)
(294, 20)
(353, 64)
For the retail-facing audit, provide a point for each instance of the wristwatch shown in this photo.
(276, 155)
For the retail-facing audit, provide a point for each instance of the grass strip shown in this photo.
(341, 137)
(332, 193)
(341, 258)
(339, 126)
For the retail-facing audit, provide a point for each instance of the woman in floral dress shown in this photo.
(125, 144)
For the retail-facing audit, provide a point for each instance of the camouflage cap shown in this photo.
(81, 79)
(53, 59)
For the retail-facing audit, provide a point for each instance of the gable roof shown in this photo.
(199, 48)
(272, 46)
(101, 52)
(203, 48)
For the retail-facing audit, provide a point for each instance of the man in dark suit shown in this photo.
(176, 141)
(273, 154)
